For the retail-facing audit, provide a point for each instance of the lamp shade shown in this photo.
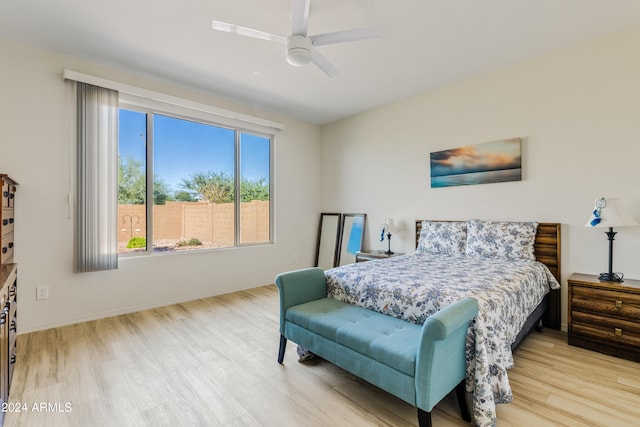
(610, 212)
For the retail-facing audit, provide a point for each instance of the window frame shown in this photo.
(151, 107)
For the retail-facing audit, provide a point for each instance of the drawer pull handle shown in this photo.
(4, 250)
(5, 222)
(618, 304)
(10, 220)
(618, 332)
(10, 245)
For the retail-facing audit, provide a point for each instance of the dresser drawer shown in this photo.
(6, 251)
(5, 194)
(8, 194)
(606, 302)
(606, 328)
(7, 221)
(604, 315)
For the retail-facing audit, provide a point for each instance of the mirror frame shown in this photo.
(328, 233)
(341, 247)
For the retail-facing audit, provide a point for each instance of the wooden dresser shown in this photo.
(8, 290)
(605, 316)
(7, 218)
(9, 282)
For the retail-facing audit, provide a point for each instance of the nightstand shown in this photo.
(371, 255)
(605, 316)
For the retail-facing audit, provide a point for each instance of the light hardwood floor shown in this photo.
(212, 362)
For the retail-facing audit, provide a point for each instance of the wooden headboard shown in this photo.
(547, 251)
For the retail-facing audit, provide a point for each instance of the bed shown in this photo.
(511, 268)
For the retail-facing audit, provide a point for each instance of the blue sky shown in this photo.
(182, 148)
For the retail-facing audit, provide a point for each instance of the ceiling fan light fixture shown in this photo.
(301, 48)
(298, 50)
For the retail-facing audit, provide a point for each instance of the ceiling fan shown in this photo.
(300, 47)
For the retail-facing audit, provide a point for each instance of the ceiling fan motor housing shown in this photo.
(298, 50)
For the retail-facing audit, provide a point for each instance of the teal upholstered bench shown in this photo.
(420, 364)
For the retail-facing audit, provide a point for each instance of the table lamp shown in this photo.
(609, 212)
(386, 228)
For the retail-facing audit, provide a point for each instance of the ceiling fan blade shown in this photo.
(249, 32)
(322, 63)
(299, 16)
(345, 36)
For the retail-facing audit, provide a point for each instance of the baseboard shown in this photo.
(125, 310)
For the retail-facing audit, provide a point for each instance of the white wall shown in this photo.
(35, 115)
(578, 113)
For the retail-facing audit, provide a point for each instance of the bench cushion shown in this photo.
(386, 339)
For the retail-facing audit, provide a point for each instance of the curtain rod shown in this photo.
(169, 99)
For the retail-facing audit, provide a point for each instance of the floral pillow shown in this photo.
(511, 240)
(440, 237)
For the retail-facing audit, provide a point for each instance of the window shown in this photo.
(187, 184)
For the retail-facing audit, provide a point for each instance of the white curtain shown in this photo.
(96, 178)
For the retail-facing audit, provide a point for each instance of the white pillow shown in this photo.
(443, 237)
(511, 240)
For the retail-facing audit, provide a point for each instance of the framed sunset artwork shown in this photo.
(489, 162)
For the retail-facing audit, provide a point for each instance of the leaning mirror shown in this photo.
(328, 237)
(351, 237)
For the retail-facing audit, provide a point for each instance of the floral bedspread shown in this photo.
(414, 286)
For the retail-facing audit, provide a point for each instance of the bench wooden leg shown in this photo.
(462, 401)
(283, 347)
(424, 418)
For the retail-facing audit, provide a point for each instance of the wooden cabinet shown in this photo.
(8, 318)
(605, 316)
(8, 289)
(7, 218)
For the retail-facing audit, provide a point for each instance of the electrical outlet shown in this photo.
(42, 292)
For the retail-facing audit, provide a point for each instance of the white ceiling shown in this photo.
(425, 44)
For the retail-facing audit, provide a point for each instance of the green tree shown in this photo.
(184, 196)
(218, 187)
(161, 192)
(214, 187)
(256, 189)
(132, 184)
